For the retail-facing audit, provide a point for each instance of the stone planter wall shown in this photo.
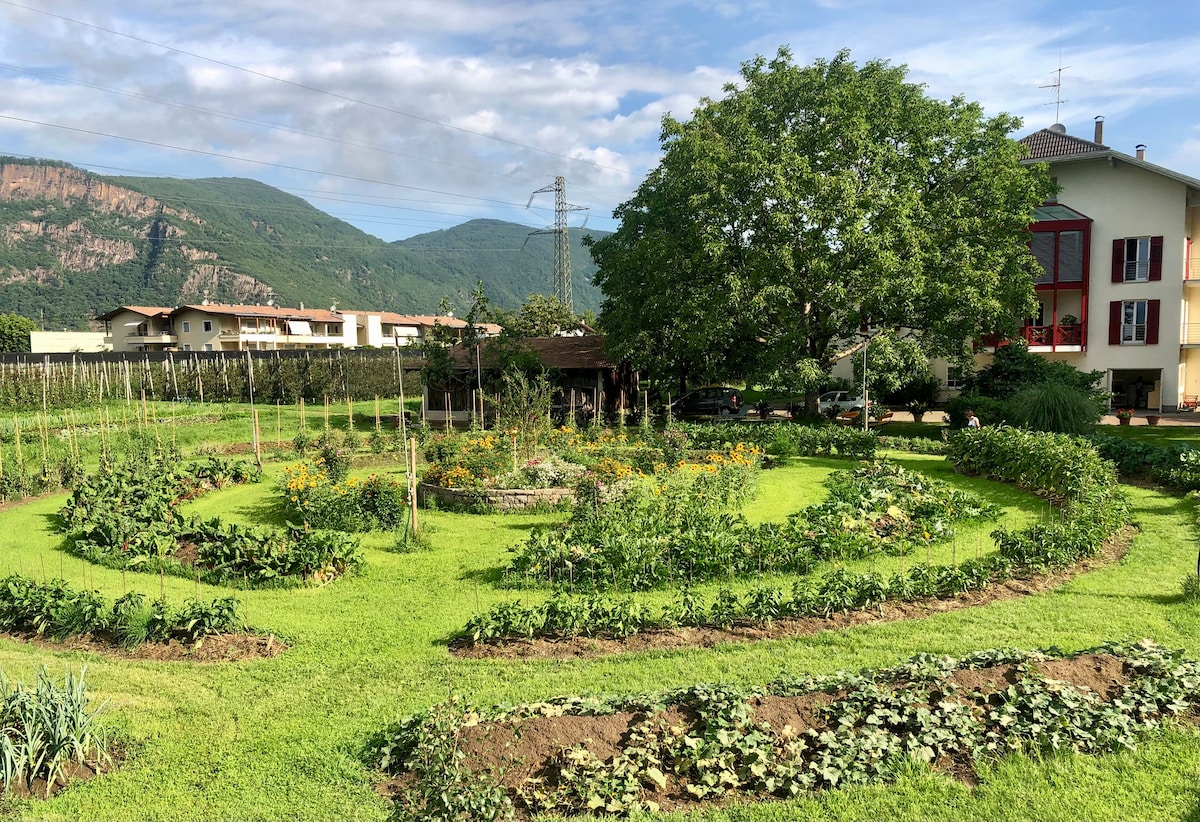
(509, 499)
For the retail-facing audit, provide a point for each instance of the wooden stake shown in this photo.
(412, 483)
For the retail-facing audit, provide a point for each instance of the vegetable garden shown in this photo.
(166, 536)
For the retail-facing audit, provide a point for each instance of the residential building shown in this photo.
(139, 328)
(218, 327)
(1120, 292)
(384, 329)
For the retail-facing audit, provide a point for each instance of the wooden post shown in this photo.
(412, 482)
(257, 450)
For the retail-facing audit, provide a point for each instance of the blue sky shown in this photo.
(406, 117)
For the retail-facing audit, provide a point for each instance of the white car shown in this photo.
(842, 400)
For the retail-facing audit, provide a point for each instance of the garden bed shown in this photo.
(693, 637)
(501, 499)
(230, 647)
(709, 744)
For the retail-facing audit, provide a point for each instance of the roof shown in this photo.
(552, 352)
(144, 310)
(268, 311)
(1050, 142)
(1052, 146)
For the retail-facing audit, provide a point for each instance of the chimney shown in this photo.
(1099, 138)
(1141, 151)
(301, 306)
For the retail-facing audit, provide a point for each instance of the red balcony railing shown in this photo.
(1041, 336)
(1055, 335)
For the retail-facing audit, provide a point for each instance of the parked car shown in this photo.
(714, 401)
(841, 400)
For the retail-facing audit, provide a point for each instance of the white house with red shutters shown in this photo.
(1120, 292)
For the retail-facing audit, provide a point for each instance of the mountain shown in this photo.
(74, 244)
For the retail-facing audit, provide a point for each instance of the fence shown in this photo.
(58, 380)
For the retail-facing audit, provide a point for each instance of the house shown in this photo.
(586, 378)
(1119, 286)
(384, 329)
(139, 328)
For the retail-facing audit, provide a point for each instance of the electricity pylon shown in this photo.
(562, 240)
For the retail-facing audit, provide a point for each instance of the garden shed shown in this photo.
(585, 375)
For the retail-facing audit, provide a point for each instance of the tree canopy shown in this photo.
(14, 332)
(807, 204)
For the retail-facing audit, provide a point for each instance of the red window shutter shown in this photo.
(1152, 307)
(1114, 322)
(1118, 261)
(1156, 258)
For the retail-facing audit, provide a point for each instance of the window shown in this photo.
(187, 346)
(187, 327)
(208, 347)
(1133, 322)
(1060, 254)
(1137, 259)
(208, 325)
(955, 379)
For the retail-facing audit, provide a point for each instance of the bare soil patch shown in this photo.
(216, 648)
(676, 638)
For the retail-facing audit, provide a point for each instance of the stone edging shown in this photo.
(503, 499)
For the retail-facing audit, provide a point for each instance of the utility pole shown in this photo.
(562, 240)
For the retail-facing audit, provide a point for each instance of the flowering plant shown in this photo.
(1124, 413)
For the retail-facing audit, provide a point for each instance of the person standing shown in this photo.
(972, 420)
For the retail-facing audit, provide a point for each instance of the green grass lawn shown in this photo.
(285, 738)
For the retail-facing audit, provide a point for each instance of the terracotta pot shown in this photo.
(1152, 419)
(1124, 420)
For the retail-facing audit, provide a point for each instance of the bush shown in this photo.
(1055, 407)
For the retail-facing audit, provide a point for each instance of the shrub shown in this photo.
(1055, 407)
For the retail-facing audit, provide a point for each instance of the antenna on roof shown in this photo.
(1057, 86)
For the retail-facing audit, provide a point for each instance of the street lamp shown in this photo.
(866, 412)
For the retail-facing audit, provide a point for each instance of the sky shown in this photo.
(403, 117)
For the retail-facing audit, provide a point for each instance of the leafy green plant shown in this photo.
(707, 740)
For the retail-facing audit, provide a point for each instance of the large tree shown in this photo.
(807, 204)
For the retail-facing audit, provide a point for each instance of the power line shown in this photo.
(314, 89)
(206, 153)
(248, 121)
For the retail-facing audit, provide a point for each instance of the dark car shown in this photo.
(714, 401)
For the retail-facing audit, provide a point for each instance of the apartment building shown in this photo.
(1120, 288)
(218, 327)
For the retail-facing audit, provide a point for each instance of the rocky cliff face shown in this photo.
(70, 186)
(62, 227)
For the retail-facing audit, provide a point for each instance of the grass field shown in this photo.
(286, 738)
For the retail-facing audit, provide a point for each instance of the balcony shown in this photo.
(1190, 335)
(1043, 338)
(150, 338)
(1191, 271)
(1054, 337)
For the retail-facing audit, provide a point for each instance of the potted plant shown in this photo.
(1152, 419)
(1124, 415)
(918, 409)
